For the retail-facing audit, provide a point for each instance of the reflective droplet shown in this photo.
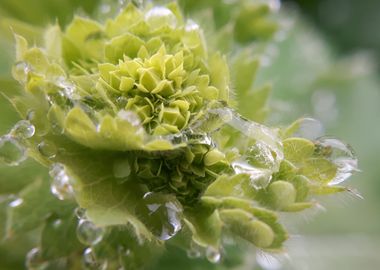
(34, 260)
(162, 213)
(260, 156)
(121, 170)
(68, 88)
(23, 129)
(130, 116)
(213, 255)
(88, 233)
(91, 262)
(195, 251)
(191, 26)
(158, 17)
(47, 149)
(16, 202)
(12, 153)
(61, 185)
(259, 178)
(339, 153)
(80, 213)
(21, 71)
(309, 128)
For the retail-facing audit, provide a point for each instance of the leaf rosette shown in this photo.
(134, 117)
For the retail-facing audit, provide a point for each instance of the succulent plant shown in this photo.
(137, 121)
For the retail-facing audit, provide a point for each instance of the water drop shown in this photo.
(260, 155)
(61, 184)
(21, 71)
(213, 255)
(158, 17)
(91, 262)
(23, 130)
(162, 213)
(80, 213)
(121, 170)
(68, 88)
(259, 178)
(12, 153)
(130, 116)
(195, 250)
(309, 128)
(339, 153)
(16, 202)
(47, 149)
(34, 260)
(191, 26)
(88, 233)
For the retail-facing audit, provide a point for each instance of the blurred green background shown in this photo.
(325, 67)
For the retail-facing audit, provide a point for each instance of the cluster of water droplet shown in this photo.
(259, 149)
(61, 185)
(90, 235)
(12, 149)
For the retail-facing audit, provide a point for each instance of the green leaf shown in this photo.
(126, 44)
(243, 224)
(319, 169)
(83, 37)
(228, 186)
(58, 238)
(206, 226)
(37, 203)
(297, 150)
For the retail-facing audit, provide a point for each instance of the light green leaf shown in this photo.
(297, 150)
(243, 224)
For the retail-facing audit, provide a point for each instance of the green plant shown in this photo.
(137, 121)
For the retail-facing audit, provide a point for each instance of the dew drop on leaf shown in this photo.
(12, 153)
(195, 251)
(88, 233)
(23, 130)
(162, 213)
(309, 128)
(61, 183)
(16, 202)
(21, 71)
(339, 153)
(191, 26)
(34, 260)
(130, 117)
(158, 17)
(80, 213)
(91, 262)
(260, 178)
(47, 149)
(67, 87)
(213, 255)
